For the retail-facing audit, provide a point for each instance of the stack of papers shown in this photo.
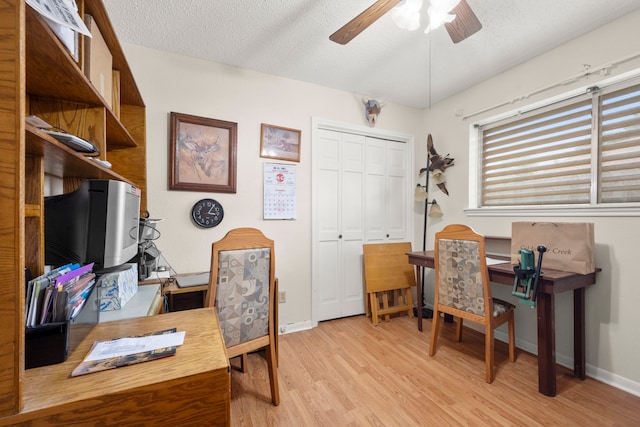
(129, 350)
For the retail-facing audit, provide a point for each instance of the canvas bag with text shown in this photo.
(570, 245)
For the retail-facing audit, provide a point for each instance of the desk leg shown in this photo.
(420, 301)
(171, 304)
(546, 344)
(579, 333)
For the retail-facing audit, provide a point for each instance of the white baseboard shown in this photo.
(613, 380)
(594, 372)
(295, 327)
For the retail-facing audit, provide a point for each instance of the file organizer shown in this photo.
(50, 343)
(46, 344)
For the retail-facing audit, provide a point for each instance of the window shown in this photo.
(619, 141)
(583, 151)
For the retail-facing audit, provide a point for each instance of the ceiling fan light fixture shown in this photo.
(407, 14)
(439, 12)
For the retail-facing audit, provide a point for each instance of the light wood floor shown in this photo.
(347, 372)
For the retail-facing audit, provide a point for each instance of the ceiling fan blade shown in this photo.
(465, 24)
(358, 24)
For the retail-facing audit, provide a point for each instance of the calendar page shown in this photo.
(279, 191)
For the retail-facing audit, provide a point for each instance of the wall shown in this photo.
(612, 313)
(171, 82)
(174, 83)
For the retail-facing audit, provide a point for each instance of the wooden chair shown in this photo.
(242, 288)
(462, 289)
(388, 279)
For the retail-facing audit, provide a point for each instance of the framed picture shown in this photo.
(202, 154)
(279, 143)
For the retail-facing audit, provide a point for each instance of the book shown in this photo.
(89, 365)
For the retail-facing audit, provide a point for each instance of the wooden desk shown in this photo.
(190, 388)
(551, 283)
(185, 298)
(178, 298)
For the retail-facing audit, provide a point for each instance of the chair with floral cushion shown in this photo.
(242, 288)
(463, 290)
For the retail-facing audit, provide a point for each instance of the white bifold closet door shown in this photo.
(362, 198)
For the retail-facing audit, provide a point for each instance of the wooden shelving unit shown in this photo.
(38, 76)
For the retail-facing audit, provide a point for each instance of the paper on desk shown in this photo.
(133, 345)
(494, 261)
(60, 12)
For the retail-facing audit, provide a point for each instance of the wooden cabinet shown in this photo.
(190, 388)
(39, 76)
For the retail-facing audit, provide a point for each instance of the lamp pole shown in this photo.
(426, 313)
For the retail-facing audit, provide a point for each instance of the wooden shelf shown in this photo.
(66, 80)
(32, 211)
(64, 162)
(40, 77)
(51, 71)
(129, 94)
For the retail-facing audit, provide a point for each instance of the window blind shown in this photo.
(620, 146)
(542, 158)
(582, 151)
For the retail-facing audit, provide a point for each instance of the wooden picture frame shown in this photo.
(202, 153)
(277, 142)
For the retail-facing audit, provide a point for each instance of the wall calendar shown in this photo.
(279, 191)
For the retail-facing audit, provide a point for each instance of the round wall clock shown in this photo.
(207, 213)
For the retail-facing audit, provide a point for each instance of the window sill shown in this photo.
(557, 211)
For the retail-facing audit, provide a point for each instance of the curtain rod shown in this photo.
(602, 69)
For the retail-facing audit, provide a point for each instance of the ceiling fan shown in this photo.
(460, 21)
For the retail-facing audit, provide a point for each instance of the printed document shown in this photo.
(61, 12)
(133, 345)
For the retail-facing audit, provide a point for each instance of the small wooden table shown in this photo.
(179, 298)
(551, 283)
(190, 388)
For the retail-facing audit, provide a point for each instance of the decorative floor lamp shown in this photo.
(436, 165)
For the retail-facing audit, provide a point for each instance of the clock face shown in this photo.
(207, 213)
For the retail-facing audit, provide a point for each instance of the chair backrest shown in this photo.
(462, 277)
(241, 287)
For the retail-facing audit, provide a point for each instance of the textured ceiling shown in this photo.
(290, 38)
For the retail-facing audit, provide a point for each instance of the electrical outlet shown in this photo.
(282, 297)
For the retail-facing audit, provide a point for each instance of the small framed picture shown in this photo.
(281, 143)
(202, 154)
